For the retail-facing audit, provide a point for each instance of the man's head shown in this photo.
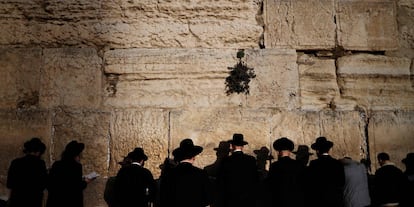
(237, 142)
(383, 158)
(322, 145)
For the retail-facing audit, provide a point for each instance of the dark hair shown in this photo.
(383, 156)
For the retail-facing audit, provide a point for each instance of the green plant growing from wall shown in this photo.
(239, 76)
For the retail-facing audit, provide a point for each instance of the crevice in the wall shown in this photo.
(260, 21)
(111, 83)
(412, 73)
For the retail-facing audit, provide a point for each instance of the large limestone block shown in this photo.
(376, 82)
(132, 24)
(16, 128)
(146, 128)
(367, 25)
(391, 132)
(20, 77)
(318, 83)
(277, 79)
(405, 19)
(207, 127)
(344, 129)
(88, 127)
(71, 77)
(300, 24)
(176, 78)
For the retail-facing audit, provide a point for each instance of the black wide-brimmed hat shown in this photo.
(302, 150)
(186, 150)
(238, 140)
(73, 149)
(263, 153)
(322, 144)
(137, 155)
(409, 159)
(34, 145)
(283, 144)
(223, 147)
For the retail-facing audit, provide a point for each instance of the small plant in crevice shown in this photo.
(239, 76)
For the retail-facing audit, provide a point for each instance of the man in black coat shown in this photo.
(325, 177)
(389, 183)
(284, 183)
(186, 185)
(134, 184)
(238, 177)
(65, 182)
(27, 176)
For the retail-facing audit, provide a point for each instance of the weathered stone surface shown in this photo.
(88, 127)
(391, 132)
(345, 129)
(208, 127)
(318, 83)
(300, 24)
(129, 24)
(376, 82)
(16, 128)
(20, 77)
(367, 25)
(146, 128)
(405, 20)
(277, 83)
(71, 77)
(174, 78)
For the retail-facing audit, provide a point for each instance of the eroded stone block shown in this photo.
(16, 128)
(88, 127)
(391, 132)
(208, 127)
(367, 25)
(318, 83)
(146, 128)
(132, 24)
(345, 129)
(20, 77)
(71, 77)
(300, 24)
(176, 78)
(376, 82)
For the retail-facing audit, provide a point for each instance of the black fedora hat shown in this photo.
(238, 140)
(283, 144)
(34, 145)
(186, 150)
(322, 144)
(73, 149)
(223, 147)
(409, 159)
(137, 155)
(302, 150)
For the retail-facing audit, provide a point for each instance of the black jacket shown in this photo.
(238, 181)
(284, 184)
(326, 179)
(134, 186)
(27, 179)
(65, 184)
(185, 186)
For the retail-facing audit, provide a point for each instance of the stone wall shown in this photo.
(123, 74)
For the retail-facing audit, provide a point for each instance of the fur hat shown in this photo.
(238, 140)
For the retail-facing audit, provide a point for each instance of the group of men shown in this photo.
(326, 182)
